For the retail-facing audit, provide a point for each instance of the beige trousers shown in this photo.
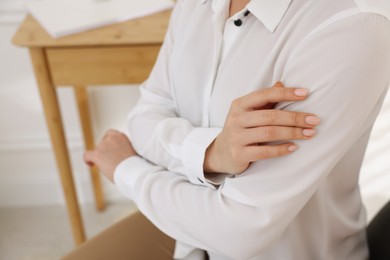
(134, 238)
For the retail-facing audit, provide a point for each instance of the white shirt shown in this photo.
(306, 205)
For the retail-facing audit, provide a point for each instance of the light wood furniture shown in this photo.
(123, 53)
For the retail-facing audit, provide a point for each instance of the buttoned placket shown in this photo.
(225, 32)
(218, 26)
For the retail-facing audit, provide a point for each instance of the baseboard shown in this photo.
(35, 143)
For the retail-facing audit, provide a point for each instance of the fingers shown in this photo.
(264, 96)
(272, 105)
(251, 121)
(278, 118)
(255, 153)
(275, 133)
(89, 158)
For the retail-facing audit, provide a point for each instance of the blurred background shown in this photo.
(33, 219)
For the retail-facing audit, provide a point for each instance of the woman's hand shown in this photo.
(251, 124)
(110, 152)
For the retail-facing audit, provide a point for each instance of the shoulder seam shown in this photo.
(366, 8)
(337, 17)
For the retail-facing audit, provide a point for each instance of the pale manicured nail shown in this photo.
(312, 120)
(309, 132)
(301, 92)
(292, 148)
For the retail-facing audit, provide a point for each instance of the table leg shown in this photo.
(83, 107)
(54, 122)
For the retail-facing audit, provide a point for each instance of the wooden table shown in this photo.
(119, 54)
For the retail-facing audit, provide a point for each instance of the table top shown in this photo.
(146, 30)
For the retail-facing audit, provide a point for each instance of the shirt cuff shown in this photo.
(127, 173)
(194, 149)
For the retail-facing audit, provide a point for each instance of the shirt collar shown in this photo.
(269, 12)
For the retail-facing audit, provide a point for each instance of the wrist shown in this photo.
(209, 160)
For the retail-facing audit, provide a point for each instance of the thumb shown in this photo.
(278, 84)
(89, 158)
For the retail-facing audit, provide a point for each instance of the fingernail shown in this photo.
(292, 148)
(312, 120)
(309, 132)
(301, 92)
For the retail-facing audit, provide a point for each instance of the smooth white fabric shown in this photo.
(306, 205)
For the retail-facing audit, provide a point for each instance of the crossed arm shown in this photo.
(250, 122)
(347, 101)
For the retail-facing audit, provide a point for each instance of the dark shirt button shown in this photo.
(238, 22)
(200, 180)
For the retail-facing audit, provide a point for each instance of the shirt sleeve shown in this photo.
(157, 132)
(346, 65)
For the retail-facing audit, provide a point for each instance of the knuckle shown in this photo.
(110, 132)
(269, 132)
(295, 118)
(297, 132)
(286, 92)
(270, 116)
(265, 93)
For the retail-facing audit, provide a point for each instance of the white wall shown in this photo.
(28, 174)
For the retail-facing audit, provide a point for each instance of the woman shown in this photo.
(225, 165)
